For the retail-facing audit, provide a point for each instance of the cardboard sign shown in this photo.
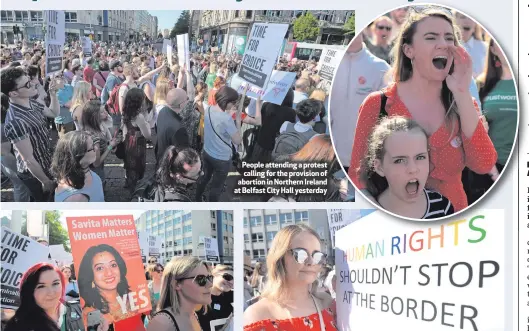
(182, 41)
(211, 249)
(166, 42)
(155, 246)
(329, 62)
(19, 253)
(107, 260)
(87, 46)
(276, 90)
(55, 38)
(338, 218)
(261, 53)
(394, 274)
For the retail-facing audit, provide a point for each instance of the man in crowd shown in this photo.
(27, 130)
(115, 77)
(301, 91)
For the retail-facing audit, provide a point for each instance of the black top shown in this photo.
(170, 132)
(272, 117)
(220, 309)
(437, 205)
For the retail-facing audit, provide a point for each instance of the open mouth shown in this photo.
(412, 187)
(110, 280)
(440, 62)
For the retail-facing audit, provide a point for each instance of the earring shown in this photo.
(497, 63)
(93, 285)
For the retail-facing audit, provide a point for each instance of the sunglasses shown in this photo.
(382, 27)
(227, 277)
(301, 255)
(200, 280)
(27, 85)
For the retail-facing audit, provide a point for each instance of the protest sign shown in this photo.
(87, 46)
(55, 38)
(211, 249)
(182, 42)
(338, 218)
(167, 42)
(107, 260)
(143, 240)
(59, 254)
(396, 274)
(276, 90)
(155, 246)
(261, 53)
(19, 253)
(329, 62)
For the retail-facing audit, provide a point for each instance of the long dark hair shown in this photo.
(66, 163)
(132, 105)
(491, 75)
(226, 95)
(90, 294)
(376, 184)
(173, 162)
(30, 316)
(90, 119)
(402, 66)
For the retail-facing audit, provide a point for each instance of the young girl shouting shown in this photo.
(396, 169)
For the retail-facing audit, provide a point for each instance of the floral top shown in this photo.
(310, 322)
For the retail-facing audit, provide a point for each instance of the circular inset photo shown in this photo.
(424, 112)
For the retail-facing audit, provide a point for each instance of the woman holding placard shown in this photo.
(289, 300)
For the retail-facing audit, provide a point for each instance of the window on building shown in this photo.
(237, 13)
(178, 242)
(246, 238)
(231, 228)
(213, 227)
(301, 216)
(255, 220)
(70, 17)
(270, 235)
(187, 217)
(270, 219)
(285, 218)
(247, 252)
(257, 237)
(225, 239)
(249, 13)
(213, 214)
(19, 15)
(178, 232)
(258, 253)
(245, 222)
(226, 227)
(6, 15)
(177, 220)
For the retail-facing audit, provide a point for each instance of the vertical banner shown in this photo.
(55, 38)
(19, 253)
(211, 249)
(415, 276)
(261, 53)
(182, 42)
(329, 62)
(338, 218)
(109, 268)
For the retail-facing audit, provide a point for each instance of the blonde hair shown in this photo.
(81, 94)
(177, 268)
(255, 275)
(160, 93)
(127, 68)
(220, 268)
(175, 69)
(318, 94)
(276, 287)
(402, 65)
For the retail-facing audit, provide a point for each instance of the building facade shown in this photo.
(101, 25)
(261, 226)
(229, 29)
(14, 221)
(182, 231)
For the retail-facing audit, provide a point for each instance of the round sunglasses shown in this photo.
(200, 280)
(227, 277)
(301, 255)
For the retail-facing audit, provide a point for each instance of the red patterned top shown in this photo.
(449, 154)
(311, 322)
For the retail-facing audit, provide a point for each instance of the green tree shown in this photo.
(182, 25)
(349, 26)
(58, 235)
(306, 27)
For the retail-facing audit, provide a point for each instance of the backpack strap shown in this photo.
(166, 312)
(383, 99)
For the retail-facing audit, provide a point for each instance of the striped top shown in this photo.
(22, 123)
(437, 205)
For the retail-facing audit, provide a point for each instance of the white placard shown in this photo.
(19, 253)
(169, 51)
(182, 42)
(87, 46)
(394, 274)
(143, 240)
(261, 53)
(155, 246)
(338, 218)
(211, 249)
(329, 62)
(59, 254)
(55, 38)
(276, 90)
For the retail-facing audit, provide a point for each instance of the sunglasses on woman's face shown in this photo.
(227, 277)
(301, 255)
(200, 280)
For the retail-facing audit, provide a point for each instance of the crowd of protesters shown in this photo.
(129, 100)
(399, 66)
